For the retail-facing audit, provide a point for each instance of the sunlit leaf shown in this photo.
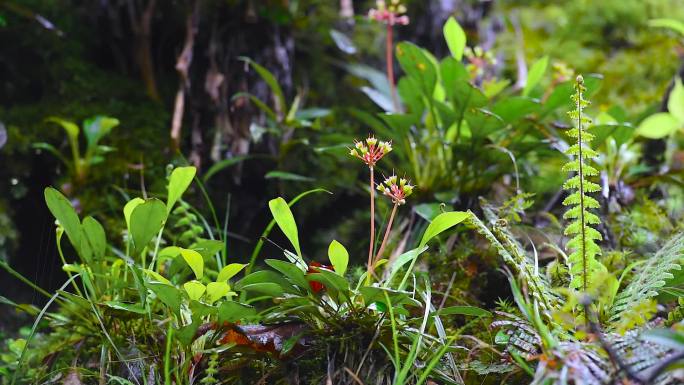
(455, 38)
(339, 257)
(658, 126)
(535, 74)
(128, 209)
(229, 271)
(180, 180)
(195, 289)
(217, 290)
(285, 220)
(441, 223)
(675, 103)
(195, 261)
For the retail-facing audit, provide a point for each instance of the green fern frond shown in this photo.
(515, 256)
(649, 277)
(583, 246)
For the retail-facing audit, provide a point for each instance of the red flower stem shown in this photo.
(387, 233)
(389, 45)
(372, 225)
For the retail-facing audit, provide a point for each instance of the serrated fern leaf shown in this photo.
(650, 277)
(516, 258)
(583, 246)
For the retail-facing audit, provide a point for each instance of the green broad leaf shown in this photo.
(267, 276)
(287, 176)
(70, 127)
(291, 271)
(441, 223)
(195, 289)
(61, 209)
(95, 234)
(180, 180)
(372, 294)
(146, 220)
(535, 74)
(339, 257)
(128, 210)
(207, 247)
(270, 80)
(493, 87)
(216, 291)
(465, 310)
(157, 277)
(675, 104)
(230, 271)
(332, 282)
(200, 310)
(186, 334)
(455, 38)
(672, 24)
(169, 252)
(403, 259)
(98, 127)
(169, 295)
(230, 311)
(285, 220)
(133, 308)
(418, 65)
(514, 108)
(195, 261)
(658, 126)
(265, 288)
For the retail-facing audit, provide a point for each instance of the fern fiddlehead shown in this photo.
(583, 245)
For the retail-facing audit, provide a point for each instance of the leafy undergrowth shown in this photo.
(586, 290)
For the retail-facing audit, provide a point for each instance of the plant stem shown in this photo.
(372, 225)
(387, 233)
(4, 265)
(389, 44)
(581, 192)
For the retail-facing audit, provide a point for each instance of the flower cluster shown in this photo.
(389, 14)
(370, 151)
(397, 192)
(478, 60)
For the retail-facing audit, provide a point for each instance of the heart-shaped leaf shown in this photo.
(216, 290)
(195, 289)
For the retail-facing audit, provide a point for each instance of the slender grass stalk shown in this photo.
(23, 279)
(167, 356)
(20, 361)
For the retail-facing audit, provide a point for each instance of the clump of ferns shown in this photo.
(586, 332)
